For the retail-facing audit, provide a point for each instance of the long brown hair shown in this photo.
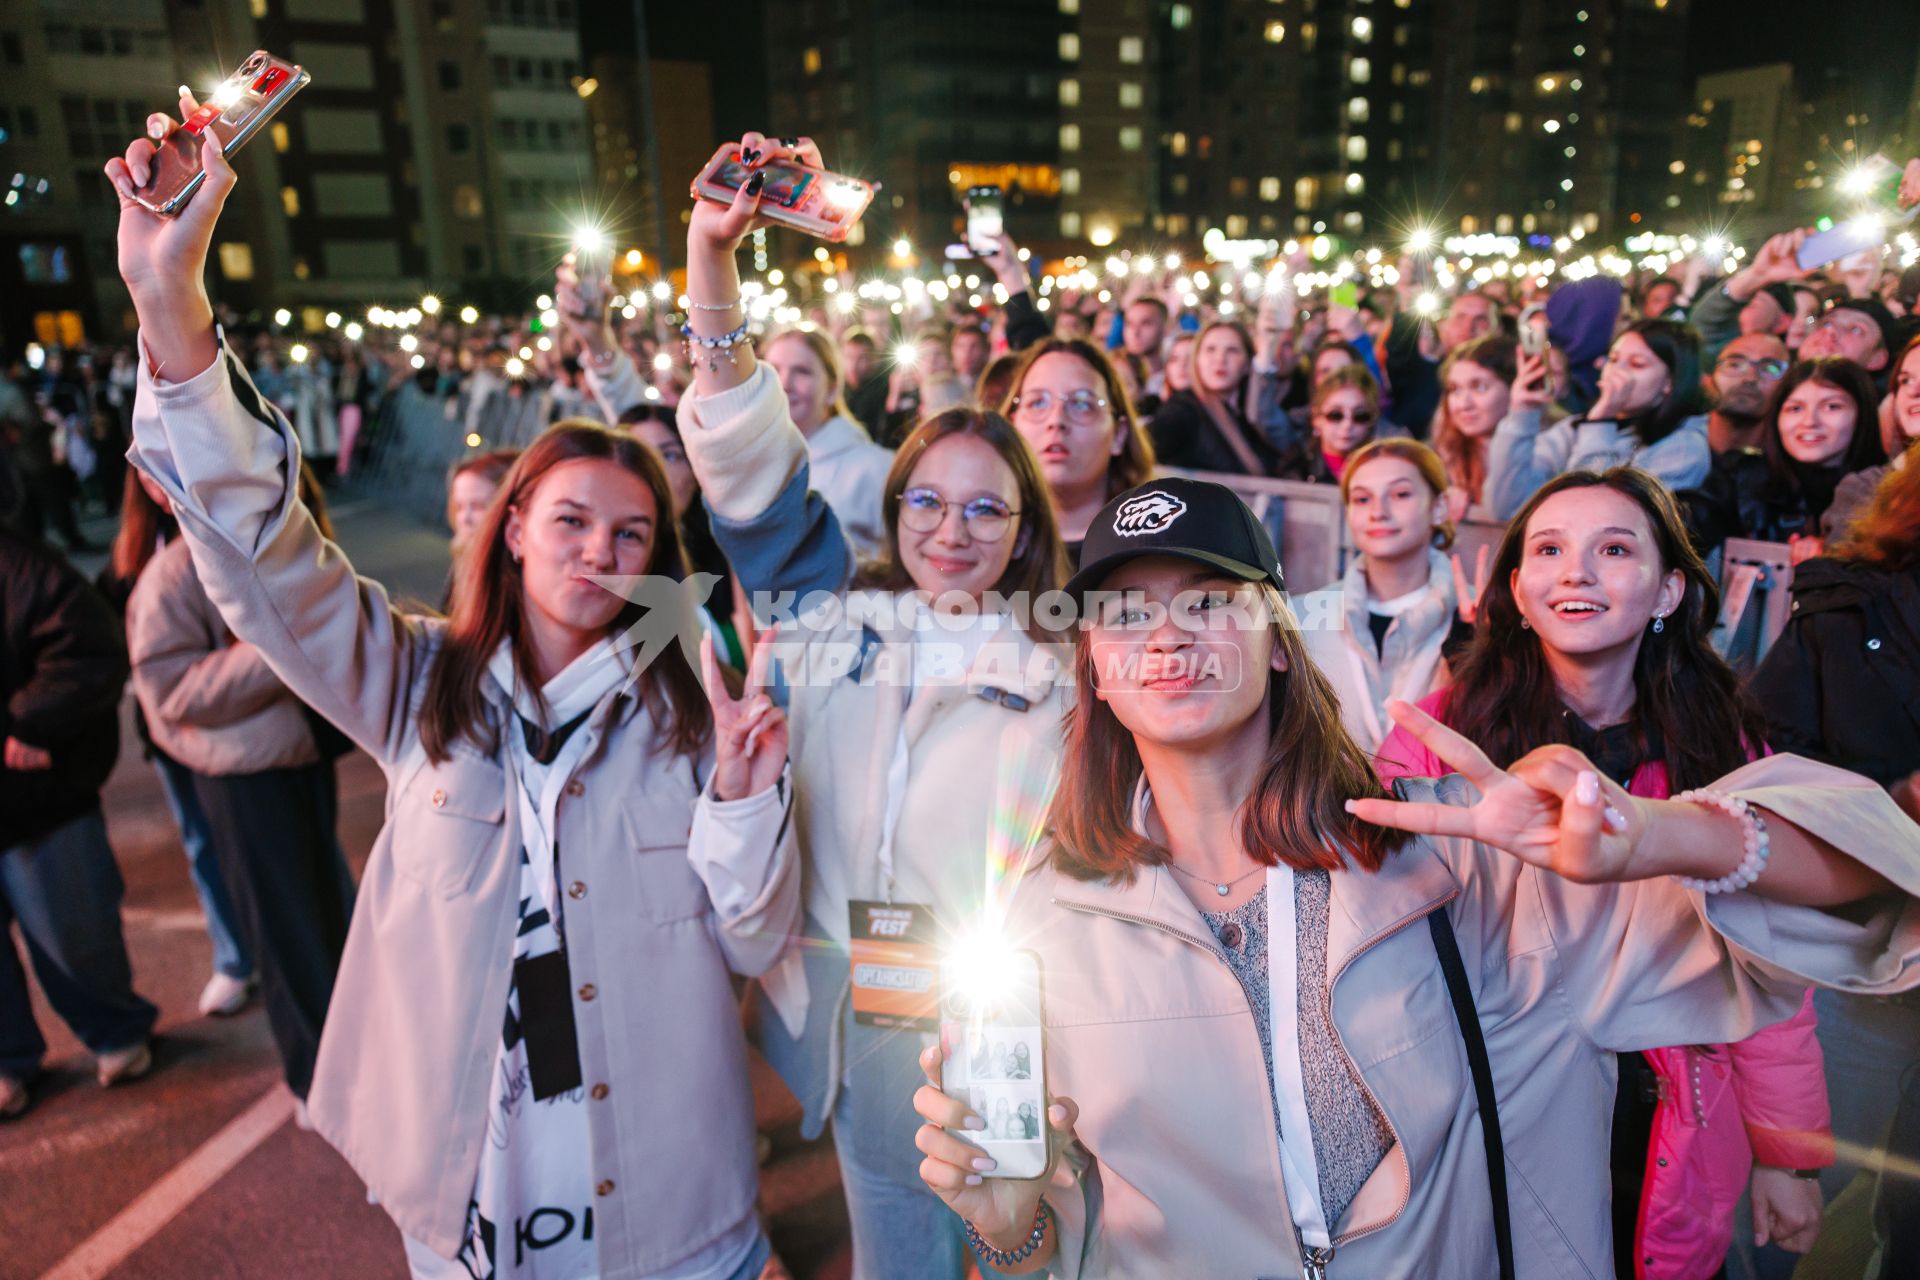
(1296, 813)
(1466, 456)
(1887, 534)
(1035, 568)
(142, 525)
(488, 596)
(1227, 405)
(1134, 463)
(1686, 697)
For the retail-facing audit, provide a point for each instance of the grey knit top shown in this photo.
(1350, 1135)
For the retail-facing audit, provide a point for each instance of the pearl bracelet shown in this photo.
(1002, 1258)
(1755, 831)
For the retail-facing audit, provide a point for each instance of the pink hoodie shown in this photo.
(1722, 1107)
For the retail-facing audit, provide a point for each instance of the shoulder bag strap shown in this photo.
(1469, 1019)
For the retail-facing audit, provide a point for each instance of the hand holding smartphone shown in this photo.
(986, 221)
(239, 109)
(809, 199)
(997, 1063)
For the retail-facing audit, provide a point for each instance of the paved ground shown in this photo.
(197, 1172)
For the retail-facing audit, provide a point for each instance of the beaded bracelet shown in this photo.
(721, 343)
(712, 306)
(1757, 843)
(1003, 1258)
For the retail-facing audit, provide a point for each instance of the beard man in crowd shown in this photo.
(1742, 383)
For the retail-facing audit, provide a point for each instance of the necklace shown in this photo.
(1223, 888)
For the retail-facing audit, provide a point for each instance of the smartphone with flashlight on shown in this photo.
(592, 257)
(1533, 335)
(823, 204)
(996, 1061)
(1877, 182)
(986, 219)
(238, 109)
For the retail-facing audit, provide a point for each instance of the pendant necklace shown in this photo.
(1223, 888)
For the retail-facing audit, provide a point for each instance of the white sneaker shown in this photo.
(122, 1065)
(223, 996)
(13, 1097)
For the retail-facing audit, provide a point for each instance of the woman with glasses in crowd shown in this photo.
(1344, 415)
(1067, 401)
(902, 694)
(1821, 426)
(1204, 427)
(1650, 414)
(554, 770)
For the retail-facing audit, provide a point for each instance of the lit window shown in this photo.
(1069, 93)
(1513, 122)
(1359, 70)
(1276, 32)
(1069, 6)
(1356, 149)
(281, 141)
(1308, 33)
(1355, 184)
(1269, 189)
(1357, 109)
(1362, 29)
(1069, 224)
(1069, 182)
(1305, 192)
(810, 61)
(1177, 144)
(1132, 49)
(1069, 46)
(1069, 137)
(290, 201)
(1477, 85)
(1237, 226)
(1180, 17)
(1130, 138)
(236, 260)
(1131, 94)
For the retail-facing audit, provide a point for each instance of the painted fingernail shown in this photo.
(1616, 820)
(750, 155)
(756, 182)
(985, 1164)
(974, 1179)
(1586, 788)
(1058, 1113)
(974, 1123)
(1350, 808)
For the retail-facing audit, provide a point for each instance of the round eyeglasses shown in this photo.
(987, 519)
(1083, 408)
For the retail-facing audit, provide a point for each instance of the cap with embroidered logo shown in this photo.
(1174, 516)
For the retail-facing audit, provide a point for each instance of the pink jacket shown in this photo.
(1722, 1107)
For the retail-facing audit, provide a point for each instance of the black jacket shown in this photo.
(1842, 684)
(1185, 435)
(63, 665)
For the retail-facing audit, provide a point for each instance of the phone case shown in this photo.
(827, 205)
(238, 110)
(998, 1066)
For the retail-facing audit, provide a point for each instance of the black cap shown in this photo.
(1192, 519)
(1782, 296)
(1876, 311)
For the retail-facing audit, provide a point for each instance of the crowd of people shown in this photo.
(1405, 929)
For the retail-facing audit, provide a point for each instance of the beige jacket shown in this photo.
(1150, 1033)
(212, 702)
(406, 1059)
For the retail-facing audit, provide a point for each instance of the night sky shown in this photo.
(1869, 45)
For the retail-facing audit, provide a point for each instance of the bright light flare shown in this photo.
(469, 314)
(227, 94)
(298, 353)
(516, 367)
(1420, 240)
(984, 966)
(905, 355)
(430, 305)
(587, 238)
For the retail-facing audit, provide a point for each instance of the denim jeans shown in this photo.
(901, 1231)
(223, 929)
(64, 891)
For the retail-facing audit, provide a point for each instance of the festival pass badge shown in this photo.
(895, 970)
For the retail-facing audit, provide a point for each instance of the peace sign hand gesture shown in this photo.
(750, 733)
(1552, 808)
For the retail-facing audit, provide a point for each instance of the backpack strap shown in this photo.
(1469, 1019)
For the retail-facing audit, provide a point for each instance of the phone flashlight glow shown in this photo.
(845, 195)
(227, 94)
(588, 238)
(905, 355)
(984, 962)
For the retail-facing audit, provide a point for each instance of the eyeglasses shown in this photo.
(1083, 408)
(1768, 369)
(987, 519)
(1359, 417)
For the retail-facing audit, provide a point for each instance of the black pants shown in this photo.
(273, 833)
(1633, 1108)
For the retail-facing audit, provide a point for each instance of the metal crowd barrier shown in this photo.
(418, 437)
(1756, 589)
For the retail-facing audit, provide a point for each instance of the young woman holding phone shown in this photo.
(1269, 1068)
(548, 779)
(900, 708)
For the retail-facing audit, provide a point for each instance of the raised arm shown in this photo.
(229, 463)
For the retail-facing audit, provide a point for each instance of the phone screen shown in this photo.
(786, 183)
(1345, 294)
(996, 1065)
(985, 220)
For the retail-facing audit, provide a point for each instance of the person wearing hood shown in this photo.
(1648, 413)
(1580, 321)
(1819, 428)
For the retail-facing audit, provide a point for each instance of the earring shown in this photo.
(1659, 623)
(1525, 625)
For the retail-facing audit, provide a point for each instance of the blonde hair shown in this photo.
(1424, 460)
(829, 359)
